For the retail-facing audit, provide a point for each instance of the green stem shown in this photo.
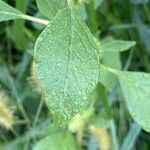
(103, 97)
(147, 12)
(38, 112)
(91, 17)
(37, 20)
(18, 99)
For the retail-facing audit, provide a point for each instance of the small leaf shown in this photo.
(50, 8)
(136, 90)
(67, 64)
(107, 78)
(8, 13)
(112, 60)
(57, 141)
(117, 45)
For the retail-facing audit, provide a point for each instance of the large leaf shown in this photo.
(67, 64)
(50, 8)
(7, 12)
(117, 45)
(57, 141)
(136, 90)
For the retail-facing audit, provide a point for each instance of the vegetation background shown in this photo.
(24, 116)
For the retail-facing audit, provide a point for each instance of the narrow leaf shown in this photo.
(67, 64)
(118, 45)
(136, 90)
(57, 141)
(50, 8)
(7, 12)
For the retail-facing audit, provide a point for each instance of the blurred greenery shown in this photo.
(22, 96)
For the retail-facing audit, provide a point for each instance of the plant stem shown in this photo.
(16, 95)
(147, 12)
(38, 112)
(37, 20)
(14, 132)
(103, 96)
(92, 18)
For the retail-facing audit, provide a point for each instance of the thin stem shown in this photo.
(114, 135)
(16, 95)
(128, 62)
(14, 132)
(35, 122)
(103, 96)
(37, 20)
(38, 112)
(147, 12)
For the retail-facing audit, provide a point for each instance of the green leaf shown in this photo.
(136, 90)
(57, 141)
(117, 45)
(50, 8)
(8, 13)
(67, 64)
(112, 60)
(18, 26)
(107, 78)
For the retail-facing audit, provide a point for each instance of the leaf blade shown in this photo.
(50, 8)
(66, 53)
(135, 88)
(117, 45)
(60, 139)
(8, 13)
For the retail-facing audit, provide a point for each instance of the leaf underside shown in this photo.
(7, 12)
(117, 45)
(67, 64)
(136, 90)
